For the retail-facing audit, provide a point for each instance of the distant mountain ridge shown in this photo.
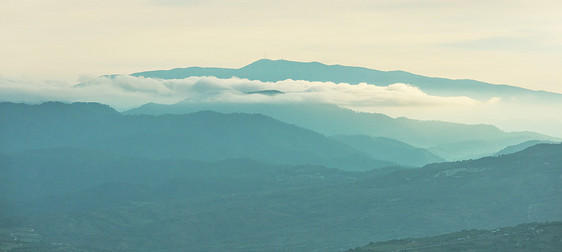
(451, 141)
(519, 147)
(204, 135)
(390, 149)
(277, 70)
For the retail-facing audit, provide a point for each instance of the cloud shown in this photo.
(120, 95)
(399, 99)
(128, 91)
(494, 100)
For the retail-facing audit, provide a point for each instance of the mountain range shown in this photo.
(194, 132)
(278, 70)
(519, 147)
(390, 149)
(451, 141)
(95, 201)
(243, 165)
(203, 135)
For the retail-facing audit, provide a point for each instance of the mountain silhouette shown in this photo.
(451, 141)
(519, 147)
(203, 135)
(390, 149)
(278, 70)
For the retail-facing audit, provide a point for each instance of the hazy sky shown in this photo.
(515, 42)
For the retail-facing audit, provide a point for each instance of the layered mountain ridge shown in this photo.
(203, 135)
(249, 166)
(278, 70)
(451, 141)
(77, 198)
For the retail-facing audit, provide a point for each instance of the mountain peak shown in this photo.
(269, 70)
(269, 63)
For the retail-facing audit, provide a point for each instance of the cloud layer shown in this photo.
(124, 92)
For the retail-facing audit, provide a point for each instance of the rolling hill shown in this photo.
(451, 141)
(390, 149)
(203, 135)
(102, 201)
(524, 237)
(519, 147)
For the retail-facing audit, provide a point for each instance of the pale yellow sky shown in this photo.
(512, 42)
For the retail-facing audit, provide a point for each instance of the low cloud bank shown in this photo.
(125, 92)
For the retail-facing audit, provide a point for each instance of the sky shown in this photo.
(515, 42)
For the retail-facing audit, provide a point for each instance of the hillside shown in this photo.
(80, 198)
(524, 237)
(389, 149)
(203, 135)
(519, 147)
(451, 141)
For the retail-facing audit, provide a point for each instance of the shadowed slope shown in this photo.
(203, 135)
(247, 206)
(451, 141)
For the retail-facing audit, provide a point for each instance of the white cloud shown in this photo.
(119, 94)
(494, 100)
(127, 91)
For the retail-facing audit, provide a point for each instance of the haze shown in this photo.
(214, 125)
(510, 42)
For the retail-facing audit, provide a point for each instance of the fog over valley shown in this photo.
(519, 112)
(302, 126)
(169, 160)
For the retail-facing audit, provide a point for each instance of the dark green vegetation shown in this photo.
(451, 141)
(277, 70)
(525, 237)
(83, 177)
(77, 199)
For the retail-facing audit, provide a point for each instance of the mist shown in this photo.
(396, 100)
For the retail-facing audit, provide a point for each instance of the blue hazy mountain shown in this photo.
(389, 149)
(100, 201)
(197, 176)
(203, 135)
(277, 70)
(451, 141)
(519, 147)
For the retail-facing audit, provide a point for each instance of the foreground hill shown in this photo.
(277, 70)
(203, 135)
(451, 141)
(98, 201)
(524, 237)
